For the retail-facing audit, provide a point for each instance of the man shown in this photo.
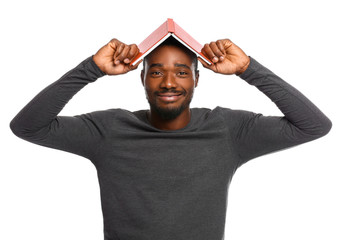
(164, 172)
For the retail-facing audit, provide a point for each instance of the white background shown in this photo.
(49, 194)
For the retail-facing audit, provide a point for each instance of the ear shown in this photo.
(142, 74)
(196, 78)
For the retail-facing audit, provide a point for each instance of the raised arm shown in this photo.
(254, 134)
(38, 121)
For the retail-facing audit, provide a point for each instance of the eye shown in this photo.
(155, 73)
(182, 73)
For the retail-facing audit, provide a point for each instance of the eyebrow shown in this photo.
(181, 65)
(156, 65)
(176, 65)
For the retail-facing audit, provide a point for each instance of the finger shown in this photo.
(221, 46)
(114, 43)
(207, 51)
(222, 49)
(123, 55)
(119, 49)
(216, 51)
(131, 53)
(227, 43)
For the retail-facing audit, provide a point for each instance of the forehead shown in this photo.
(168, 56)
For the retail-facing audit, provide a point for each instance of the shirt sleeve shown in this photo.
(38, 122)
(255, 135)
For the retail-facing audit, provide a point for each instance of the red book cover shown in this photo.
(167, 29)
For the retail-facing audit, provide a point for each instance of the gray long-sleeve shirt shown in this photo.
(168, 185)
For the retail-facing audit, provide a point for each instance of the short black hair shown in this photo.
(171, 41)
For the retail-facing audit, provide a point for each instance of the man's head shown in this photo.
(169, 76)
(171, 41)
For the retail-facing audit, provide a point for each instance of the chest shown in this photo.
(167, 155)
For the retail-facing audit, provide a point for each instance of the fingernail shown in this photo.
(215, 59)
(117, 62)
(126, 60)
(222, 58)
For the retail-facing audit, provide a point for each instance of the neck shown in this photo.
(179, 122)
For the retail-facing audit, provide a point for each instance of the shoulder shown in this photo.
(217, 118)
(221, 113)
(228, 113)
(108, 116)
(234, 118)
(102, 114)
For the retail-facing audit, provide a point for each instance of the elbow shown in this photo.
(326, 127)
(16, 129)
(322, 128)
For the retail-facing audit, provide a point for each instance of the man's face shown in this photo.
(169, 79)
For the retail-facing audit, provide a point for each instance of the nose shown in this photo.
(168, 82)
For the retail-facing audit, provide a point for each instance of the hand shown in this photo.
(115, 57)
(227, 57)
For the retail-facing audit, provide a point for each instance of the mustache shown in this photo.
(171, 91)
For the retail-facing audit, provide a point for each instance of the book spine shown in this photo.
(170, 25)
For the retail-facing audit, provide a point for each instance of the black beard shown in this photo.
(168, 113)
(172, 113)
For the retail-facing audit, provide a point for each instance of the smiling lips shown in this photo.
(169, 96)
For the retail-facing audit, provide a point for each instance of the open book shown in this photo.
(167, 29)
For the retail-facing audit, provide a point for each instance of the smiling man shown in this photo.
(164, 173)
(169, 84)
